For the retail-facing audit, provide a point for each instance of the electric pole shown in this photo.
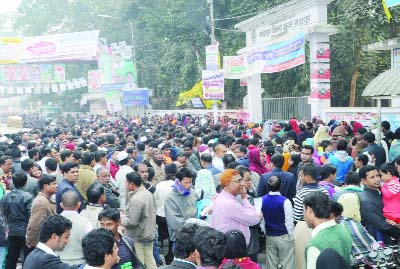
(213, 42)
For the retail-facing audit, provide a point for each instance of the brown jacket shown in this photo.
(42, 207)
(87, 176)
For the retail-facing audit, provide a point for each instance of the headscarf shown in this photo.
(255, 162)
(356, 126)
(295, 126)
(179, 188)
(321, 135)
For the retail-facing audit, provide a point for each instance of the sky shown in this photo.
(9, 5)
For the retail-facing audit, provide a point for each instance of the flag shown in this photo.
(387, 11)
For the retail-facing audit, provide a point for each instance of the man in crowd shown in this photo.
(193, 159)
(140, 219)
(110, 219)
(96, 200)
(372, 207)
(278, 216)
(54, 236)
(374, 149)
(42, 207)
(241, 155)
(17, 206)
(100, 249)
(227, 212)
(157, 163)
(220, 152)
(31, 185)
(6, 167)
(326, 232)
(210, 247)
(87, 176)
(71, 175)
(112, 193)
(125, 168)
(306, 158)
(308, 176)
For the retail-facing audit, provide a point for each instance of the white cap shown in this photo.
(122, 155)
(143, 139)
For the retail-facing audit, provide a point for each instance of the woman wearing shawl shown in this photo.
(255, 162)
(321, 135)
(295, 126)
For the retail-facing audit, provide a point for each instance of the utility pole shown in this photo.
(134, 51)
(213, 42)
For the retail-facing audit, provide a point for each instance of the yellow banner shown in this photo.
(387, 11)
(196, 91)
(9, 50)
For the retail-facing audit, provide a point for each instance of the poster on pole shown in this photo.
(212, 57)
(322, 53)
(197, 102)
(138, 97)
(113, 101)
(9, 49)
(320, 72)
(213, 84)
(320, 90)
(235, 67)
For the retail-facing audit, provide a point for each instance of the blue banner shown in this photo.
(392, 3)
(138, 97)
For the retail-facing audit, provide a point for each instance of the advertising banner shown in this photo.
(113, 100)
(213, 84)
(93, 79)
(392, 3)
(70, 46)
(9, 50)
(320, 72)
(32, 73)
(46, 73)
(283, 55)
(138, 97)
(320, 90)
(212, 57)
(322, 53)
(197, 103)
(235, 67)
(116, 64)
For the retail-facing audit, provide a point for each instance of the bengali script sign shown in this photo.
(212, 57)
(235, 66)
(70, 46)
(213, 84)
(138, 97)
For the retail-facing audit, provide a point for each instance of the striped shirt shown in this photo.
(298, 209)
(229, 214)
(391, 198)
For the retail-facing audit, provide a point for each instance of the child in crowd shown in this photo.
(390, 193)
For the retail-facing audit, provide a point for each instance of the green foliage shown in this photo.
(170, 40)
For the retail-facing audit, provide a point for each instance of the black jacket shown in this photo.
(38, 259)
(288, 187)
(372, 216)
(17, 206)
(178, 264)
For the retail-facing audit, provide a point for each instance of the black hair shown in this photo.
(326, 171)
(336, 208)
(363, 158)
(309, 147)
(66, 167)
(325, 143)
(277, 160)
(110, 214)
(3, 159)
(92, 148)
(385, 124)
(45, 151)
(51, 164)
(243, 149)
(342, 145)
(185, 241)
(388, 167)
(134, 178)
(184, 172)
(365, 169)
(211, 245)
(369, 137)
(99, 154)
(110, 139)
(310, 169)
(94, 192)
(228, 158)
(77, 155)
(235, 245)
(206, 157)
(87, 158)
(274, 183)
(19, 179)
(295, 158)
(27, 164)
(65, 154)
(352, 178)
(232, 165)
(55, 224)
(254, 141)
(151, 172)
(242, 169)
(188, 144)
(32, 153)
(362, 131)
(46, 179)
(319, 203)
(170, 171)
(141, 146)
(96, 245)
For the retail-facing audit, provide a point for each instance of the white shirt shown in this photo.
(67, 213)
(46, 249)
(313, 252)
(120, 178)
(287, 207)
(162, 190)
(42, 164)
(218, 163)
(87, 266)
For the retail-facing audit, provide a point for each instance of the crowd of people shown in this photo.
(182, 192)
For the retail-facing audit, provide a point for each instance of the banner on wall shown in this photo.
(273, 58)
(32, 73)
(9, 49)
(320, 72)
(212, 57)
(320, 90)
(213, 84)
(113, 100)
(116, 64)
(66, 47)
(138, 97)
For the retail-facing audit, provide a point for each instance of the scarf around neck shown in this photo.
(180, 189)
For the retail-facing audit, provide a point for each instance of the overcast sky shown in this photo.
(9, 5)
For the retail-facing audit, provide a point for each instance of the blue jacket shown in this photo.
(65, 186)
(288, 186)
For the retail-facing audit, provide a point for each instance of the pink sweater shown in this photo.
(391, 198)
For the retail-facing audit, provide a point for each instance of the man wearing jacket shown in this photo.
(17, 210)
